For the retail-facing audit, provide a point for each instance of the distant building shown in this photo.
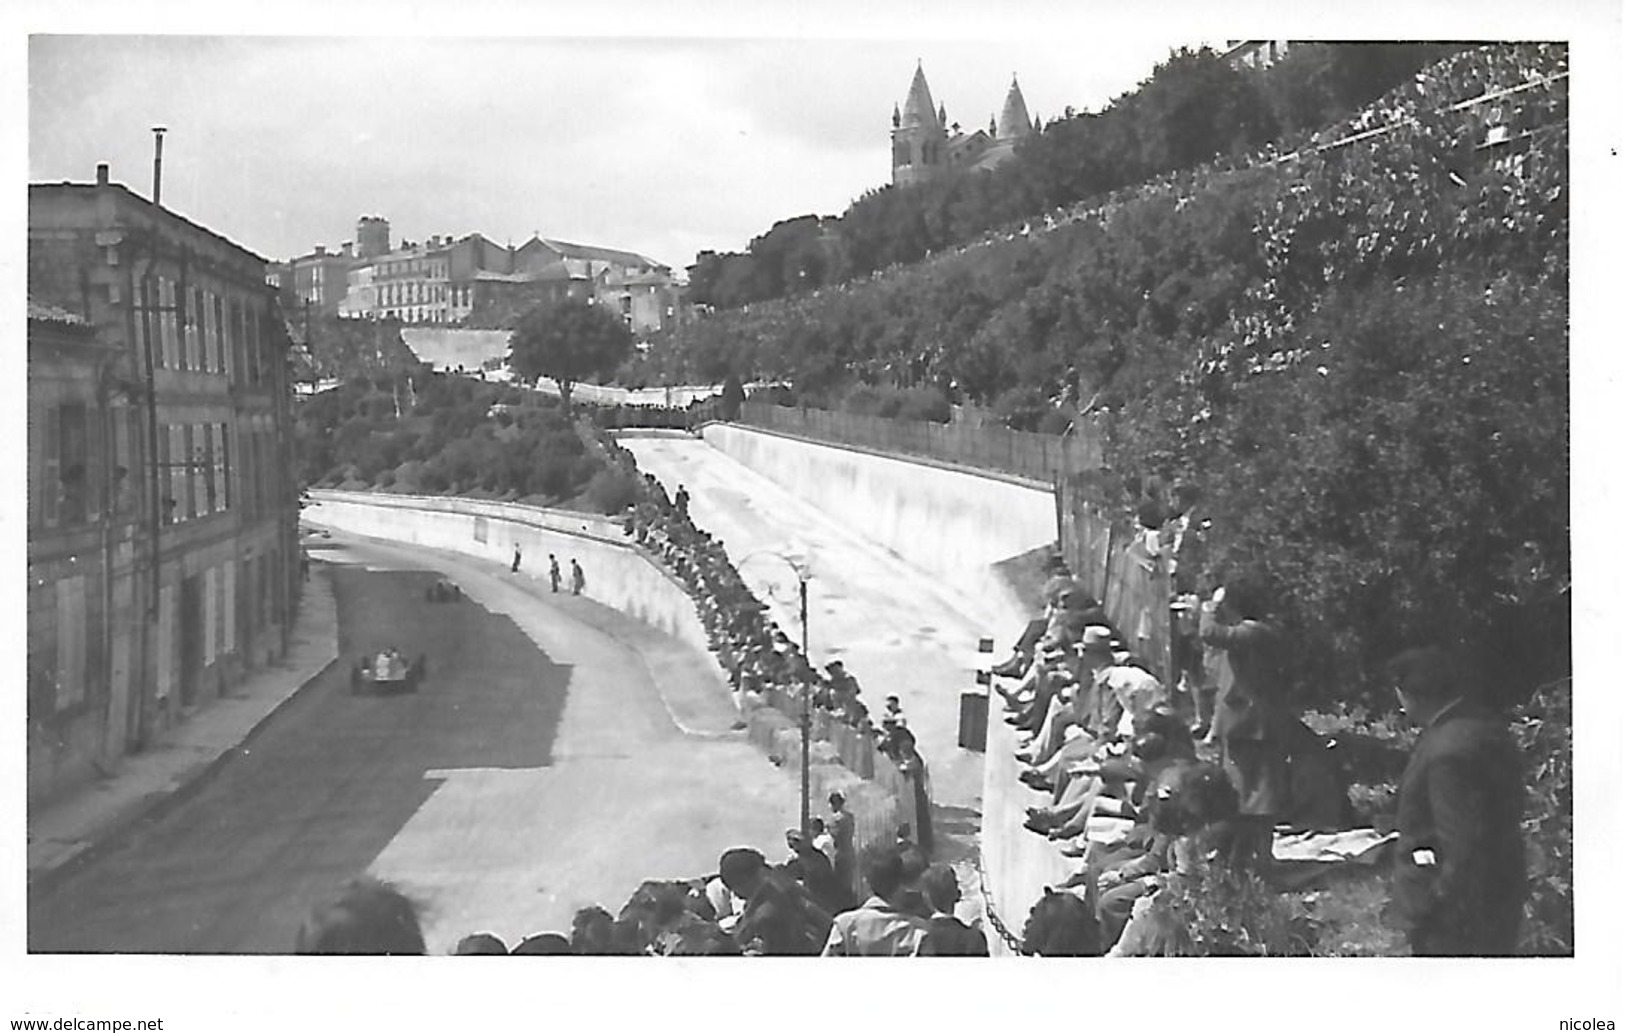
(449, 282)
(1254, 53)
(926, 146)
(162, 516)
(315, 283)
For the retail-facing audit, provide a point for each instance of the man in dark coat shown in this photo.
(1459, 878)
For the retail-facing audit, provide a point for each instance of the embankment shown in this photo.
(948, 522)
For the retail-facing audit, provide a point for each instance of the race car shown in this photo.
(388, 671)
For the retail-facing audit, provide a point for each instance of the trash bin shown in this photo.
(973, 721)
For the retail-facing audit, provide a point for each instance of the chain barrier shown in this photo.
(991, 910)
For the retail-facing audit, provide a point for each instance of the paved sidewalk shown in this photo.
(66, 829)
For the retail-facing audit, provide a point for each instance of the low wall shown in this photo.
(947, 522)
(618, 575)
(1017, 864)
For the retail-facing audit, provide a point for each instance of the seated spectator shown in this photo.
(884, 925)
(726, 907)
(780, 918)
(543, 943)
(368, 917)
(1196, 810)
(1061, 925)
(481, 943)
(947, 936)
(592, 931)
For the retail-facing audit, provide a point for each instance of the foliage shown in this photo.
(1283, 336)
(1192, 108)
(1224, 911)
(568, 342)
(1544, 729)
(455, 435)
(347, 348)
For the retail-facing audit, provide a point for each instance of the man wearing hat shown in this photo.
(1078, 704)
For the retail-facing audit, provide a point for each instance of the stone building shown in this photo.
(162, 517)
(926, 146)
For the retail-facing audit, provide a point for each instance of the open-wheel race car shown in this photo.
(388, 671)
(444, 590)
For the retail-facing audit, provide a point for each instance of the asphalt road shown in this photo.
(896, 627)
(537, 770)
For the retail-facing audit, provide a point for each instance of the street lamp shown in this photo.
(802, 577)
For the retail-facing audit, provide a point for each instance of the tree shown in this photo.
(568, 341)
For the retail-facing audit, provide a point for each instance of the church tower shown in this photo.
(1013, 121)
(918, 137)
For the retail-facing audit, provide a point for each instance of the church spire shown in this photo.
(1013, 121)
(918, 109)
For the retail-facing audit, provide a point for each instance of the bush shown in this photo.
(1226, 912)
(612, 490)
(1544, 729)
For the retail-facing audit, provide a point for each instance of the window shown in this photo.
(205, 468)
(70, 640)
(180, 486)
(222, 465)
(166, 339)
(195, 321)
(193, 347)
(126, 495)
(50, 469)
(74, 504)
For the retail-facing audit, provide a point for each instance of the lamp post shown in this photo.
(802, 577)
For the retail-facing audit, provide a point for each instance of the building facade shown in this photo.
(162, 517)
(1255, 53)
(926, 146)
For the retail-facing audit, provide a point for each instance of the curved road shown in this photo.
(536, 771)
(897, 628)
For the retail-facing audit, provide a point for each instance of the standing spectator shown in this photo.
(1252, 719)
(813, 870)
(1459, 878)
(780, 918)
(843, 830)
(883, 926)
(514, 569)
(948, 936)
(822, 841)
(578, 580)
(553, 571)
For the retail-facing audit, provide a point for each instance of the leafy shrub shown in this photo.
(612, 490)
(1223, 911)
(1544, 729)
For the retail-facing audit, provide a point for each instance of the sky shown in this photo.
(665, 146)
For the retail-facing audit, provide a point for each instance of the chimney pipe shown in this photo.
(157, 162)
(101, 174)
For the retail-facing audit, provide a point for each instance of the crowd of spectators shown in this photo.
(749, 907)
(1114, 752)
(758, 657)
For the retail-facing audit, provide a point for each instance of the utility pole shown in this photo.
(806, 718)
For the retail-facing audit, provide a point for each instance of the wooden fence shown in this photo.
(1111, 560)
(1039, 457)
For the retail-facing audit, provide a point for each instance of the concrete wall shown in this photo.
(946, 522)
(617, 574)
(1018, 863)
